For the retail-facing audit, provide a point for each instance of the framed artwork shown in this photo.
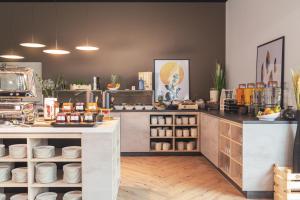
(270, 63)
(171, 79)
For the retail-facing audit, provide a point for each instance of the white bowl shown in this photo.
(270, 117)
(73, 195)
(21, 196)
(43, 152)
(119, 107)
(46, 196)
(148, 107)
(139, 107)
(129, 107)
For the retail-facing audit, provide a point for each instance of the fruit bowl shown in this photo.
(269, 117)
(113, 86)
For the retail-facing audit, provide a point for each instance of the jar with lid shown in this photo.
(248, 93)
(258, 94)
(240, 98)
(88, 117)
(75, 117)
(272, 94)
(67, 107)
(79, 107)
(61, 118)
(92, 107)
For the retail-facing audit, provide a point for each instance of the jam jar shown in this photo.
(92, 107)
(79, 107)
(88, 117)
(67, 107)
(75, 117)
(61, 118)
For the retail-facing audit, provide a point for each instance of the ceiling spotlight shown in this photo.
(87, 48)
(56, 51)
(32, 45)
(12, 56)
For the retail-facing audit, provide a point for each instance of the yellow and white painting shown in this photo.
(171, 79)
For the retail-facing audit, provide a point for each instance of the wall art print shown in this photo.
(171, 79)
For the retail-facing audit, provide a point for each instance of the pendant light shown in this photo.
(32, 43)
(11, 55)
(87, 46)
(56, 50)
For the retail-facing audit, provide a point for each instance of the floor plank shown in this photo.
(173, 178)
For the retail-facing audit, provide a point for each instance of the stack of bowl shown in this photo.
(2, 196)
(21, 196)
(72, 173)
(5, 172)
(73, 195)
(18, 151)
(46, 196)
(2, 151)
(43, 152)
(46, 173)
(19, 175)
(71, 152)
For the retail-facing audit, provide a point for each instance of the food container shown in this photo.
(190, 146)
(72, 173)
(185, 120)
(45, 173)
(158, 146)
(75, 117)
(43, 152)
(154, 132)
(194, 132)
(5, 173)
(154, 120)
(186, 132)
(166, 146)
(71, 152)
(169, 132)
(192, 120)
(61, 118)
(19, 175)
(18, 151)
(73, 195)
(79, 107)
(67, 107)
(88, 117)
(20, 196)
(161, 120)
(180, 146)
(91, 107)
(168, 120)
(178, 120)
(46, 196)
(161, 132)
(178, 132)
(2, 151)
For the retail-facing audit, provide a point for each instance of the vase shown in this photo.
(296, 151)
(289, 114)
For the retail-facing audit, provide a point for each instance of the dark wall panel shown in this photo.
(130, 36)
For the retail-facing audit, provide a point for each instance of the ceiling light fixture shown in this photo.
(32, 44)
(12, 56)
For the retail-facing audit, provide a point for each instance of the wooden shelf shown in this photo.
(12, 184)
(58, 183)
(186, 137)
(158, 125)
(185, 125)
(7, 158)
(161, 137)
(236, 161)
(171, 150)
(195, 150)
(57, 158)
(226, 154)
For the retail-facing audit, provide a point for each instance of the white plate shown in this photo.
(270, 117)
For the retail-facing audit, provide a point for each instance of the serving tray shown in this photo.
(54, 124)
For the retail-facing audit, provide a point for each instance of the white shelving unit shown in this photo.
(33, 140)
(174, 126)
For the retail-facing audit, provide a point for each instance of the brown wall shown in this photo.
(130, 36)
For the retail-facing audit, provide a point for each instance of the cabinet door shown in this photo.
(212, 132)
(203, 134)
(135, 132)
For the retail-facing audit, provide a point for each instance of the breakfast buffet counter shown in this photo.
(100, 159)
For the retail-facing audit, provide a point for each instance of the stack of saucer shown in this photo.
(46, 172)
(72, 173)
(19, 175)
(21, 196)
(43, 152)
(2, 196)
(18, 151)
(73, 195)
(71, 152)
(46, 196)
(5, 172)
(2, 151)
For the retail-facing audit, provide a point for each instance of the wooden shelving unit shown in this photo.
(33, 140)
(174, 126)
(231, 150)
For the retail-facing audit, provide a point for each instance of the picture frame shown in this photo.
(172, 79)
(270, 63)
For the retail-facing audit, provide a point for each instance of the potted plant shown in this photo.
(296, 151)
(219, 83)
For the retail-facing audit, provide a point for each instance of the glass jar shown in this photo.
(61, 118)
(79, 107)
(240, 98)
(248, 93)
(272, 94)
(88, 117)
(67, 107)
(258, 94)
(92, 107)
(75, 117)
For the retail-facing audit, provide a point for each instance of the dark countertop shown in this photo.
(242, 119)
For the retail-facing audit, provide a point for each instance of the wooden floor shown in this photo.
(173, 178)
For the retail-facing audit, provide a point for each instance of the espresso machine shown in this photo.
(17, 83)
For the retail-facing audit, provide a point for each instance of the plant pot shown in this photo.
(296, 151)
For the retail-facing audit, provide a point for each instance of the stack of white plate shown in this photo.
(71, 152)
(9, 165)
(46, 172)
(2, 151)
(72, 173)
(18, 151)
(44, 152)
(19, 175)
(46, 196)
(21, 196)
(73, 195)
(5, 173)
(2, 196)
